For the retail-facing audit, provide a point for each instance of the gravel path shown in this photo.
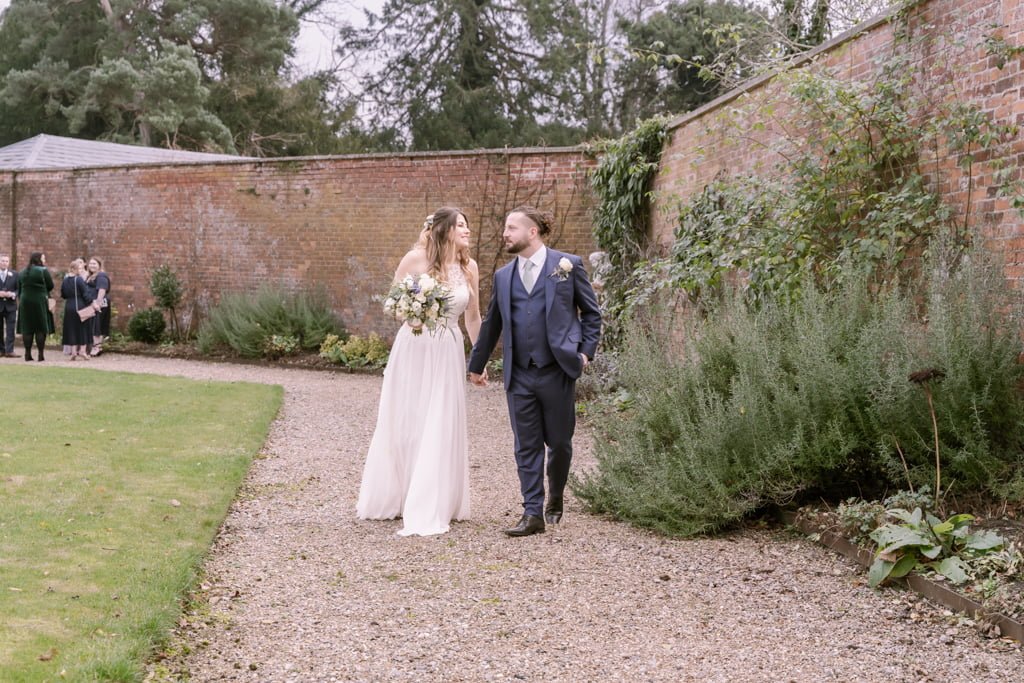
(298, 589)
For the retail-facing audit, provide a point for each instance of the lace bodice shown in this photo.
(460, 292)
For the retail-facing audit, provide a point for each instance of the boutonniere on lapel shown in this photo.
(562, 270)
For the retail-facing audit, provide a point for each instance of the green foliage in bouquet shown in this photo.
(810, 396)
(247, 323)
(355, 352)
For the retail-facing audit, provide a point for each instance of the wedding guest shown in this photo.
(34, 318)
(98, 283)
(8, 306)
(76, 333)
(83, 272)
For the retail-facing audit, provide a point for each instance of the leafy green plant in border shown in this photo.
(166, 288)
(356, 352)
(923, 540)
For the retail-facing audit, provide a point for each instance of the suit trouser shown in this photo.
(542, 409)
(7, 319)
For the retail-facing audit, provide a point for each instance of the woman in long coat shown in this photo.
(34, 318)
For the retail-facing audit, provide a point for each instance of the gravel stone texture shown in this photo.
(296, 588)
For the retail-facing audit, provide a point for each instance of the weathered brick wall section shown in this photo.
(339, 222)
(704, 145)
(6, 213)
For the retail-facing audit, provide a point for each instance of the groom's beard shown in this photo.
(516, 247)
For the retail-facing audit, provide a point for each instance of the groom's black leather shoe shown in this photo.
(528, 525)
(553, 511)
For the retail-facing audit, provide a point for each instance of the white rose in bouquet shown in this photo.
(420, 301)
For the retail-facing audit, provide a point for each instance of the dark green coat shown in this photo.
(34, 287)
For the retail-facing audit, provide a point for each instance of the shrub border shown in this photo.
(937, 592)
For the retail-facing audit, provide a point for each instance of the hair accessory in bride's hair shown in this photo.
(429, 223)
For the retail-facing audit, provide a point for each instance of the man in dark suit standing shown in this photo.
(544, 310)
(8, 305)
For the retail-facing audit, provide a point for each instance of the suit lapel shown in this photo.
(549, 282)
(505, 296)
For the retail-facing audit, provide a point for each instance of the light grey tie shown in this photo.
(528, 275)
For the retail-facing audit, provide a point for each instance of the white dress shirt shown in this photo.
(538, 259)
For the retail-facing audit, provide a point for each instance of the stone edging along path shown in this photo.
(295, 588)
(932, 590)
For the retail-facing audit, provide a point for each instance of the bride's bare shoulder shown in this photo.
(414, 261)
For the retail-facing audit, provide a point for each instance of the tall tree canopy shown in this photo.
(195, 74)
(448, 74)
(487, 73)
(676, 55)
(218, 75)
(453, 73)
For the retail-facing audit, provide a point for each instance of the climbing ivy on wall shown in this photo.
(854, 192)
(622, 183)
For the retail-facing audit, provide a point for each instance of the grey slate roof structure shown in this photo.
(44, 152)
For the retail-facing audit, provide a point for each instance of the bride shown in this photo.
(418, 463)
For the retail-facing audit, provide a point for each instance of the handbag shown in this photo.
(83, 313)
(51, 303)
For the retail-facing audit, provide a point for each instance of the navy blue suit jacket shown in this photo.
(573, 316)
(11, 285)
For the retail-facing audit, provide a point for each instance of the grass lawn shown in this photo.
(112, 487)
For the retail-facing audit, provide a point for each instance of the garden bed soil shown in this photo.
(992, 621)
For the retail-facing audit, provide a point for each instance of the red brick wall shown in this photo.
(340, 222)
(945, 46)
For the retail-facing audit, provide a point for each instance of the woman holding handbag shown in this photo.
(34, 318)
(78, 312)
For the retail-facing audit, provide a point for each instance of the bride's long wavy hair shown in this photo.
(436, 240)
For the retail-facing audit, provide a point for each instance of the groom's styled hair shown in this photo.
(542, 219)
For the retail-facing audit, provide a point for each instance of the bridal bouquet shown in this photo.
(419, 300)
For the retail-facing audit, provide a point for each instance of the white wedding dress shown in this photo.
(418, 463)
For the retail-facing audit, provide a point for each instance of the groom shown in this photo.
(545, 313)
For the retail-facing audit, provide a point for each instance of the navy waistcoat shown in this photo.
(529, 323)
